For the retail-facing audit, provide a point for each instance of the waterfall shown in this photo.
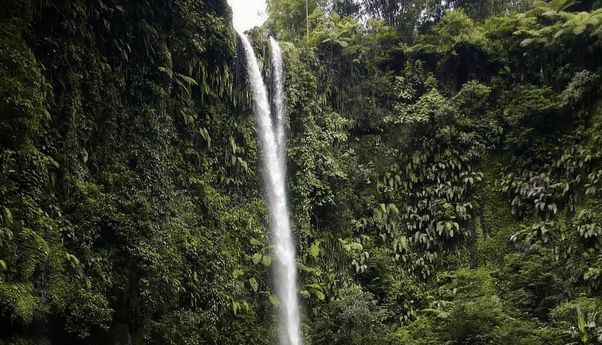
(272, 144)
(278, 98)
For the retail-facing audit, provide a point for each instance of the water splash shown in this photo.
(272, 142)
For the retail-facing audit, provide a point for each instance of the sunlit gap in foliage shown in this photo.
(272, 143)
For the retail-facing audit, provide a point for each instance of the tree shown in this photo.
(290, 17)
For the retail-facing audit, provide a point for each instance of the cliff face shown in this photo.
(444, 189)
(125, 162)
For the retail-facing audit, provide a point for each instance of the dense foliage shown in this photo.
(444, 170)
(447, 165)
(127, 188)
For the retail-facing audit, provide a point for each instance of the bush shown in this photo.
(353, 319)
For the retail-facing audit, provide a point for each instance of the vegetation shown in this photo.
(444, 171)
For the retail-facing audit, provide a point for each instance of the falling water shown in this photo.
(272, 143)
(278, 99)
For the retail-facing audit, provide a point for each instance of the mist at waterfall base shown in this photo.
(272, 142)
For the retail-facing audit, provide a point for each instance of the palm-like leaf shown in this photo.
(556, 5)
(578, 23)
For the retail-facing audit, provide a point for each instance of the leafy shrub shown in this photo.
(352, 319)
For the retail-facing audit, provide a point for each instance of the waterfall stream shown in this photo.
(272, 142)
(278, 98)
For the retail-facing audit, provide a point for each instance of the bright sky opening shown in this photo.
(248, 13)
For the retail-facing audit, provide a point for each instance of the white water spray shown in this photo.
(272, 142)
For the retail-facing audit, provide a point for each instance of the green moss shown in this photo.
(34, 250)
(25, 340)
(495, 221)
(22, 88)
(20, 301)
(87, 311)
